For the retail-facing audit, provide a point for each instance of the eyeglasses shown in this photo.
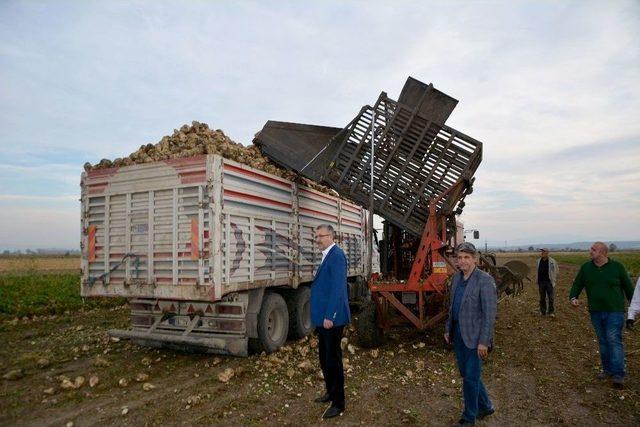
(322, 235)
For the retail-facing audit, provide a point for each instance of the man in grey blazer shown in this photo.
(470, 326)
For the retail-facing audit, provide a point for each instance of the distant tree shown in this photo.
(530, 248)
(29, 252)
(612, 247)
(6, 252)
(66, 253)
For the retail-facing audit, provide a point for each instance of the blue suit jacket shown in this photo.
(329, 294)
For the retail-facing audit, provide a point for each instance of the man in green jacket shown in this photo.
(607, 283)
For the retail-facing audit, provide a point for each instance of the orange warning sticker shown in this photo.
(91, 237)
(194, 239)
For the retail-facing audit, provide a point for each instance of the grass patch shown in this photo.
(34, 293)
(631, 260)
(43, 263)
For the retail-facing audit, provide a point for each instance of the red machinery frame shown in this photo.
(433, 243)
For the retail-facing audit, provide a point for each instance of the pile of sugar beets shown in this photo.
(199, 139)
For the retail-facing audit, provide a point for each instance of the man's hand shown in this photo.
(446, 338)
(483, 351)
(575, 302)
(630, 323)
(328, 324)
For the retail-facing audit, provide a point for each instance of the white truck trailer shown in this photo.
(213, 255)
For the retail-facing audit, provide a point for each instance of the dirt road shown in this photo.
(542, 372)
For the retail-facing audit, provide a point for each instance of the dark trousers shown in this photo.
(331, 363)
(546, 291)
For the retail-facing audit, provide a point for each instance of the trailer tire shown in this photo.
(299, 304)
(273, 324)
(370, 335)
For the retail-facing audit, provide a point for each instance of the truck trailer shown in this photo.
(213, 255)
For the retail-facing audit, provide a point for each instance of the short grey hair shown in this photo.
(329, 228)
(467, 247)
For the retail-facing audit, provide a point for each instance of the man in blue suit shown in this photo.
(329, 314)
(472, 318)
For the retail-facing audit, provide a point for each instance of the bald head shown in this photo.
(598, 253)
(602, 247)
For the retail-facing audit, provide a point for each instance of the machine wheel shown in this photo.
(273, 324)
(518, 268)
(370, 335)
(299, 304)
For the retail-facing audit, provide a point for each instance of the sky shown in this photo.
(552, 89)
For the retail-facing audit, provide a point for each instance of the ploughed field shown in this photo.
(59, 366)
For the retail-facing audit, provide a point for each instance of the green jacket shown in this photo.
(606, 286)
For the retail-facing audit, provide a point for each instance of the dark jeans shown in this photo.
(331, 363)
(608, 326)
(546, 290)
(470, 367)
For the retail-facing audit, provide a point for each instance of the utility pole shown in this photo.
(371, 195)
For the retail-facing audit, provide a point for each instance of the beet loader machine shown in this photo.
(402, 162)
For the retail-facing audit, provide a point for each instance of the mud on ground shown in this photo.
(541, 372)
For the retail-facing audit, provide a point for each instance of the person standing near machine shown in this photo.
(607, 284)
(329, 314)
(470, 326)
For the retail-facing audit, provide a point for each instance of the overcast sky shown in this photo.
(552, 89)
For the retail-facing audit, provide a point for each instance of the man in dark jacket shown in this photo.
(329, 314)
(471, 322)
(547, 277)
(607, 283)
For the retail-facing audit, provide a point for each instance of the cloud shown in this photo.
(38, 227)
(551, 89)
(26, 197)
(43, 181)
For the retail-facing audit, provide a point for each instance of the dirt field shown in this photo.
(542, 372)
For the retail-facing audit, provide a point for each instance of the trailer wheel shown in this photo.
(273, 324)
(299, 304)
(370, 335)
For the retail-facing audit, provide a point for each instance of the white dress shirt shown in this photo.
(634, 306)
(326, 251)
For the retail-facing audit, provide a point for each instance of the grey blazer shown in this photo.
(477, 316)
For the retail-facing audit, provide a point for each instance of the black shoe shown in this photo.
(618, 382)
(331, 412)
(322, 399)
(463, 422)
(483, 414)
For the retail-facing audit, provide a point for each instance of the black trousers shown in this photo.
(331, 363)
(546, 291)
